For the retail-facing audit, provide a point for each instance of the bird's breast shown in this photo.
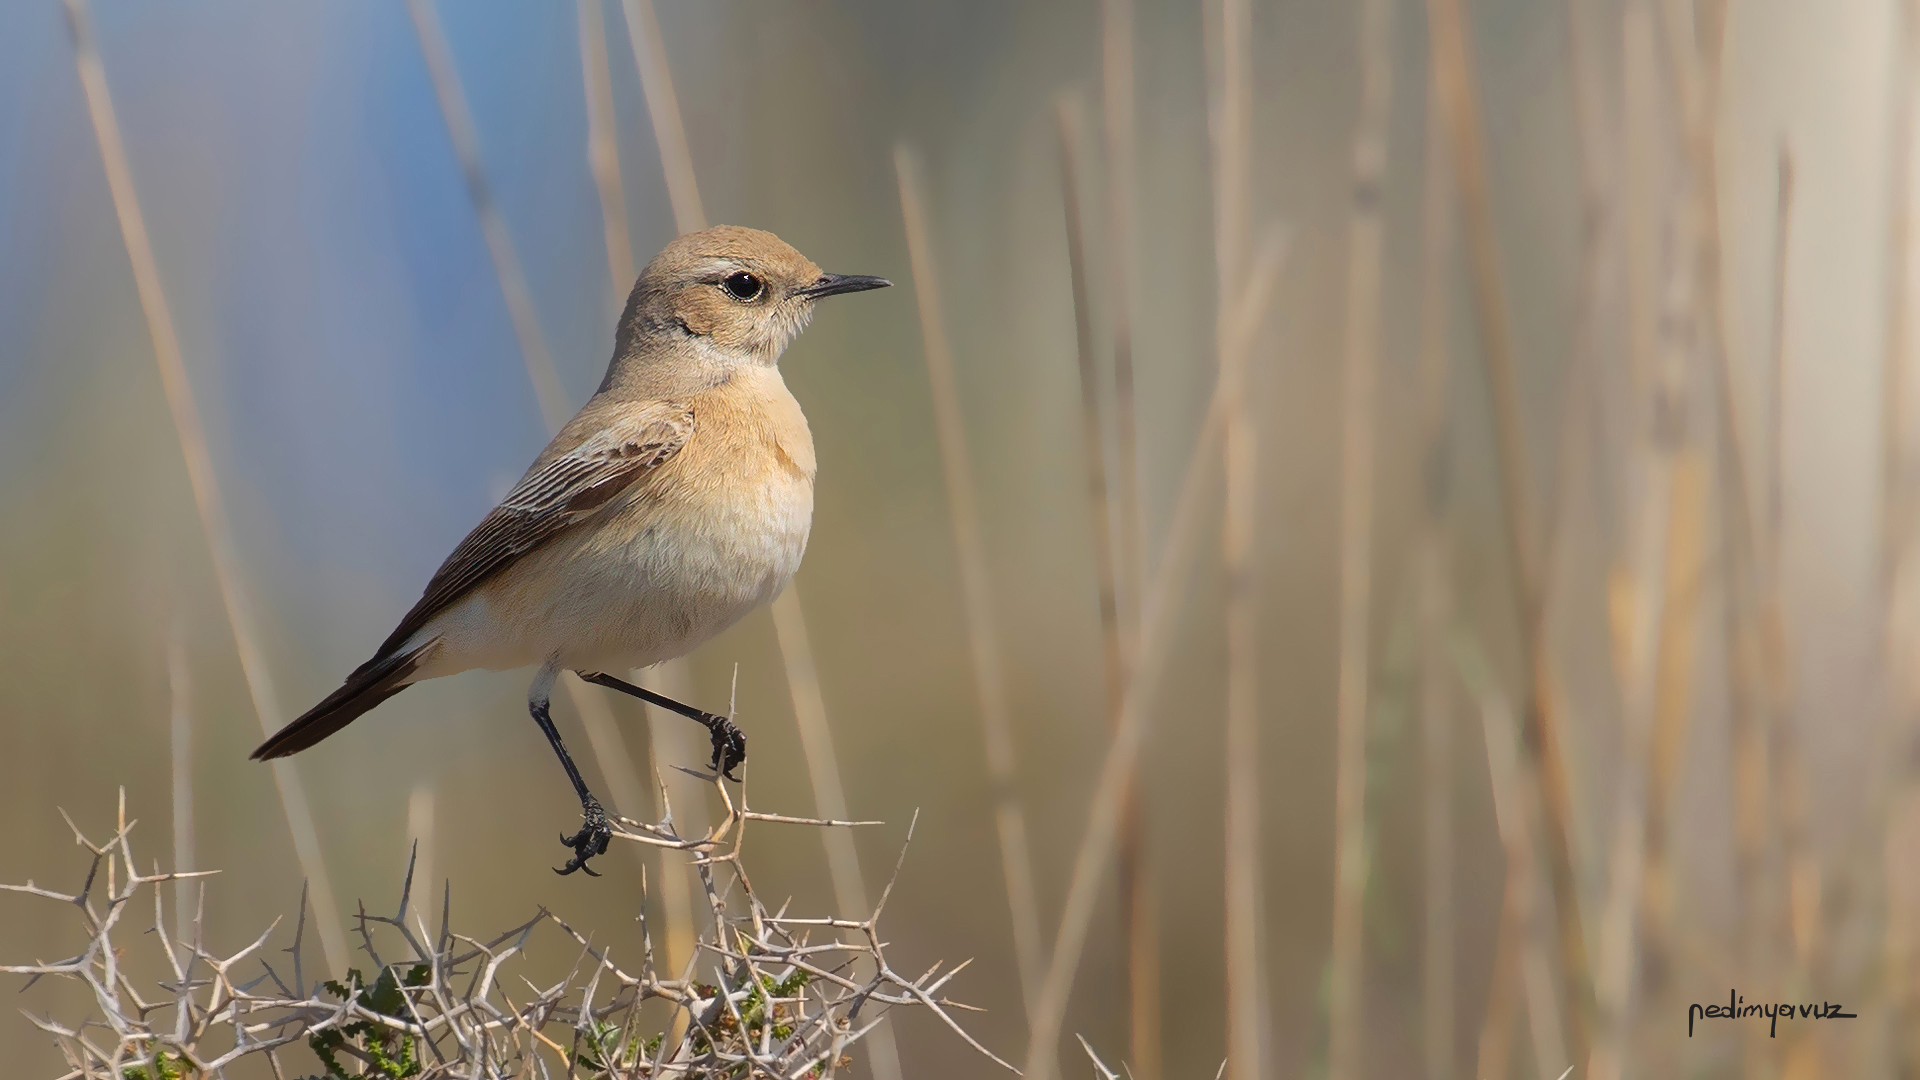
(719, 532)
(688, 551)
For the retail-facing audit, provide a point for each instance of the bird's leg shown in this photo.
(729, 742)
(596, 833)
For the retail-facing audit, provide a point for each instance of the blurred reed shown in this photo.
(1165, 592)
(1455, 82)
(1659, 603)
(983, 641)
(823, 768)
(1346, 991)
(506, 261)
(1115, 639)
(1900, 945)
(200, 475)
(672, 741)
(1756, 674)
(1227, 29)
(663, 109)
(1520, 965)
(1432, 555)
(1657, 944)
(1805, 880)
(1068, 127)
(603, 152)
(1140, 909)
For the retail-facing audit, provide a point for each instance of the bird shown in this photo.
(676, 501)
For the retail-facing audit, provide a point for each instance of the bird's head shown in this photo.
(742, 293)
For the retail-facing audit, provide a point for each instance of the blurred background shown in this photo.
(1608, 696)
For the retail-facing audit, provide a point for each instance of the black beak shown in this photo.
(833, 284)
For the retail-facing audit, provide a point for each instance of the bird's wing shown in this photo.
(556, 493)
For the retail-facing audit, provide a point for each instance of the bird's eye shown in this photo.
(743, 286)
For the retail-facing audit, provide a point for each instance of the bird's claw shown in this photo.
(591, 840)
(729, 747)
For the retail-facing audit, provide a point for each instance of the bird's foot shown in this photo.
(591, 840)
(729, 746)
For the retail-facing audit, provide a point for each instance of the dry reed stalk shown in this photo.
(1652, 608)
(1521, 941)
(1346, 996)
(493, 227)
(663, 108)
(982, 631)
(1694, 36)
(803, 683)
(1543, 743)
(674, 742)
(1117, 112)
(1246, 1009)
(830, 797)
(1755, 642)
(816, 743)
(1598, 300)
(200, 475)
(1116, 643)
(1230, 98)
(1900, 949)
(1141, 910)
(1673, 707)
(1436, 603)
(1117, 115)
(1803, 863)
(1068, 124)
(1525, 937)
(1660, 599)
(1158, 611)
(1902, 277)
(1806, 917)
(603, 150)
(1495, 1042)
(180, 729)
(1521, 967)
(1777, 381)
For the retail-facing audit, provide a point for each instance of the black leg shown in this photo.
(729, 742)
(593, 837)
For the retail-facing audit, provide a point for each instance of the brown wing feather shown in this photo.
(563, 491)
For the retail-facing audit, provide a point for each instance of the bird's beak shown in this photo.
(832, 284)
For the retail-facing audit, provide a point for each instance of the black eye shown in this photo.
(743, 286)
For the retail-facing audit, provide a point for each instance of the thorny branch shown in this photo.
(779, 1004)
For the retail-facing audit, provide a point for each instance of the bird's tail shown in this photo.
(370, 684)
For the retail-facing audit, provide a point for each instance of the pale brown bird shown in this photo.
(676, 501)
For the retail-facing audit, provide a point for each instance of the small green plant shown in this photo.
(391, 1053)
(166, 1067)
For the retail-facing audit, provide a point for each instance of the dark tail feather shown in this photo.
(372, 683)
